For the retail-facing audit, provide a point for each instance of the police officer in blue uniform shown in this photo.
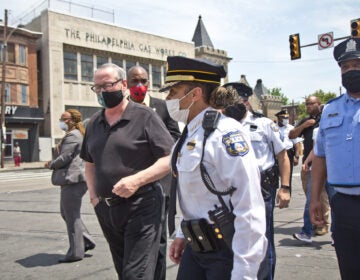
(220, 146)
(269, 149)
(337, 156)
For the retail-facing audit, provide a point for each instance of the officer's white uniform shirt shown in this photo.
(230, 161)
(284, 136)
(265, 137)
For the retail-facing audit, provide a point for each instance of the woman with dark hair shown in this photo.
(68, 172)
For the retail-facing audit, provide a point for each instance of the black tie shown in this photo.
(174, 182)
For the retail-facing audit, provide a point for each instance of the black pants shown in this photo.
(205, 266)
(291, 153)
(347, 234)
(132, 229)
(267, 266)
(160, 270)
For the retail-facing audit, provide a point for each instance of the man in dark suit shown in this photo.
(137, 79)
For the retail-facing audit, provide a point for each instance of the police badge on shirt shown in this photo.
(235, 144)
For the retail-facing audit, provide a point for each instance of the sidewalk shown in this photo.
(9, 166)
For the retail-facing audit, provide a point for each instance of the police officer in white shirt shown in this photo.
(292, 145)
(269, 149)
(229, 160)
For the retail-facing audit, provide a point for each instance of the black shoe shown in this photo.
(68, 260)
(89, 246)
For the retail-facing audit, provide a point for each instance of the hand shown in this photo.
(316, 213)
(310, 122)
(94, 201)
(126, 187)
(296, 161)
(283, 198)
(305, 167)
(47, 164)
(176, 250)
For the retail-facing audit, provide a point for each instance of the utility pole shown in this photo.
(3, 125)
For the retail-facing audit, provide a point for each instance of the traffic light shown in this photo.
(355, 28)
(295, 52)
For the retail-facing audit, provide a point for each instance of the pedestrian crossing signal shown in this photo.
(355, 28)
(295, 52)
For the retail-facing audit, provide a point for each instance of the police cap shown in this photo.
(282, 113)
(347, 50)
(183, 69)
(242, 89)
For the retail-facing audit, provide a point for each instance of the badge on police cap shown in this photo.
(235, 144)
(347, 50)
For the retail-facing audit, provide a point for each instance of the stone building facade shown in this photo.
(71, 48)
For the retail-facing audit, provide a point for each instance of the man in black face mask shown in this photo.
(337, 153)
(126, 149)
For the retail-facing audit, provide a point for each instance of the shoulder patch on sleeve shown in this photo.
(235, 144)
(274, 127)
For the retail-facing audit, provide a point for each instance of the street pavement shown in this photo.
(33, 236)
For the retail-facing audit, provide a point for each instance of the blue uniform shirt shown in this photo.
(339, 141)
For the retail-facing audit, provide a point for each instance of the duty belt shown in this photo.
(115, 200)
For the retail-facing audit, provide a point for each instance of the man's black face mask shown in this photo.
(351, 81)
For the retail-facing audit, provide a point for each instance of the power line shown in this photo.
(279, 61)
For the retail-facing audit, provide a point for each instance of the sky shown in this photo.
(255, 34)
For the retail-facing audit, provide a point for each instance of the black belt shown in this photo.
(345, 186)
(115, 200)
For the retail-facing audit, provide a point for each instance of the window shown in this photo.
(156, 76)
(7, 93)
(145, 66)
(117, 61)
(70, 66)
(24, 97)
(100, 60)
(22, 58)
(10, 53)
(87, 67)
(129, 64)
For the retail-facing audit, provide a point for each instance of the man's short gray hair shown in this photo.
(121, 74)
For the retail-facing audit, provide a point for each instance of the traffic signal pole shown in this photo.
(294, 39)
(315, 44)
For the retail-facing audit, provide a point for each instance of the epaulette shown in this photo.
(336, 98)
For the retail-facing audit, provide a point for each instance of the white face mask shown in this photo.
(63, 126)
(173, 106)
(285, 121)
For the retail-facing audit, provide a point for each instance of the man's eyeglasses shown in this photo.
(106, 86)
(62, 120)
(138, 81)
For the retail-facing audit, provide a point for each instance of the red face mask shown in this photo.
(138, 92)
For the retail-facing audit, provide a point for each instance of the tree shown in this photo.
(277, 92)
(323, 96)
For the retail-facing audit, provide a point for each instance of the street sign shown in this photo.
(326, 40)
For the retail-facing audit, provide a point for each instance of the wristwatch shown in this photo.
(285, 187)
(297, 157)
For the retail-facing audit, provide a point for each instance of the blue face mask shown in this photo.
(110, 99)
(63, 126)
